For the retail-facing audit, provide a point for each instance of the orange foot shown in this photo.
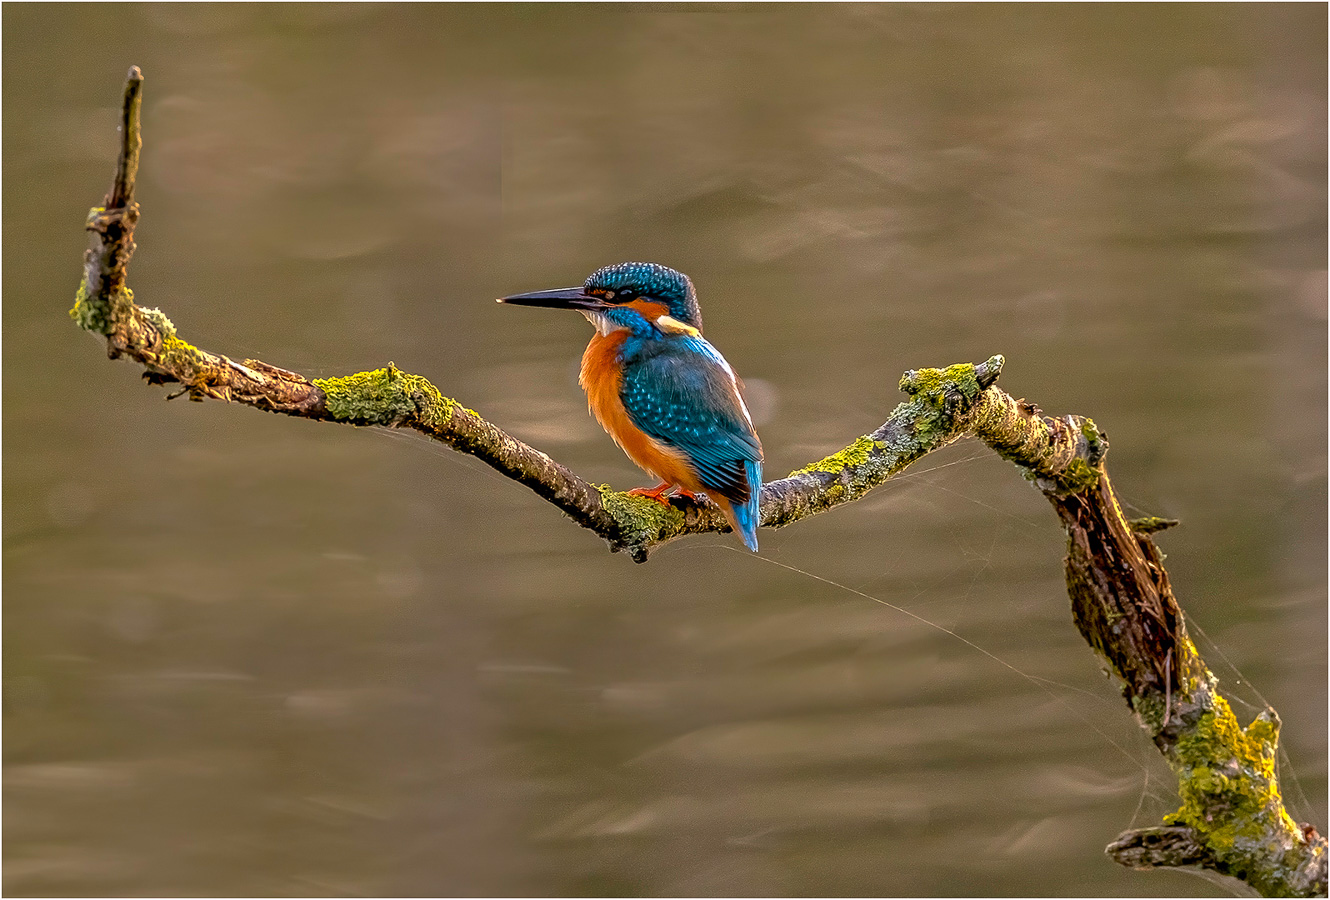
(656, 493)
(659, 493)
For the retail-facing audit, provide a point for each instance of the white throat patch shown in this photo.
(602, 322)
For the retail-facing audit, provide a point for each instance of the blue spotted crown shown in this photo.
(652, 281)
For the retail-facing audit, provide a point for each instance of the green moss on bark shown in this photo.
(852, 457)
(95, 315)
(639, 514)
(643, 521)
(960, 377)
(1078, 476)
(1230, 792)
(386, 396)
(939, 397)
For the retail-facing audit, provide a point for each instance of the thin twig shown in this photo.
(131, 142)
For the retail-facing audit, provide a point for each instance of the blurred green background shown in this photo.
(246, 654)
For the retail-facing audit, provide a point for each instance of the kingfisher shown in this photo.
(666, 396)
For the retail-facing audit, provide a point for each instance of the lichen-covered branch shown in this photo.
(1232, 818)
(944, 401)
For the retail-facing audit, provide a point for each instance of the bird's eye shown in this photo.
(622, 293)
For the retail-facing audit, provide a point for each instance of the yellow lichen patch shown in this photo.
(852, 457)
(1223, 769)
(961, 376)
(95, 315)
(1091, 433)
(181, 356)
(639, 517)
(202, 374)
(940, 397)
(386, 396)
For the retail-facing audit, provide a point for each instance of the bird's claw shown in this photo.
(657, 493)
(661, 493)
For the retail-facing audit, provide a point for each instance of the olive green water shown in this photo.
(249, 655)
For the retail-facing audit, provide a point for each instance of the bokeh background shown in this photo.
(245, 654)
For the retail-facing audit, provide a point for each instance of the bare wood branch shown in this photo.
(131, 142)
(1232, 819)
(1158, 847)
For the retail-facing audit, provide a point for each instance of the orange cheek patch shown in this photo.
(648, 309)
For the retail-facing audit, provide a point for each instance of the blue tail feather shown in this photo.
(746, 517)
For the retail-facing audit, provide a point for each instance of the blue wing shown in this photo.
(681, 392)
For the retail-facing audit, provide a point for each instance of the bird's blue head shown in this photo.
(629, 281)
(632, 292)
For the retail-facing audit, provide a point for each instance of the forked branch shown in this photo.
(1232, 818)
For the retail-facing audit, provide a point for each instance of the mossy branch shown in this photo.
(1232, 819)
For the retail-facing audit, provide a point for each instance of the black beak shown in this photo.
(560, 298)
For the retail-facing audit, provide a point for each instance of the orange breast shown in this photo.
(600, 378)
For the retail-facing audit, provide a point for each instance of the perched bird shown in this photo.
(665, 395)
